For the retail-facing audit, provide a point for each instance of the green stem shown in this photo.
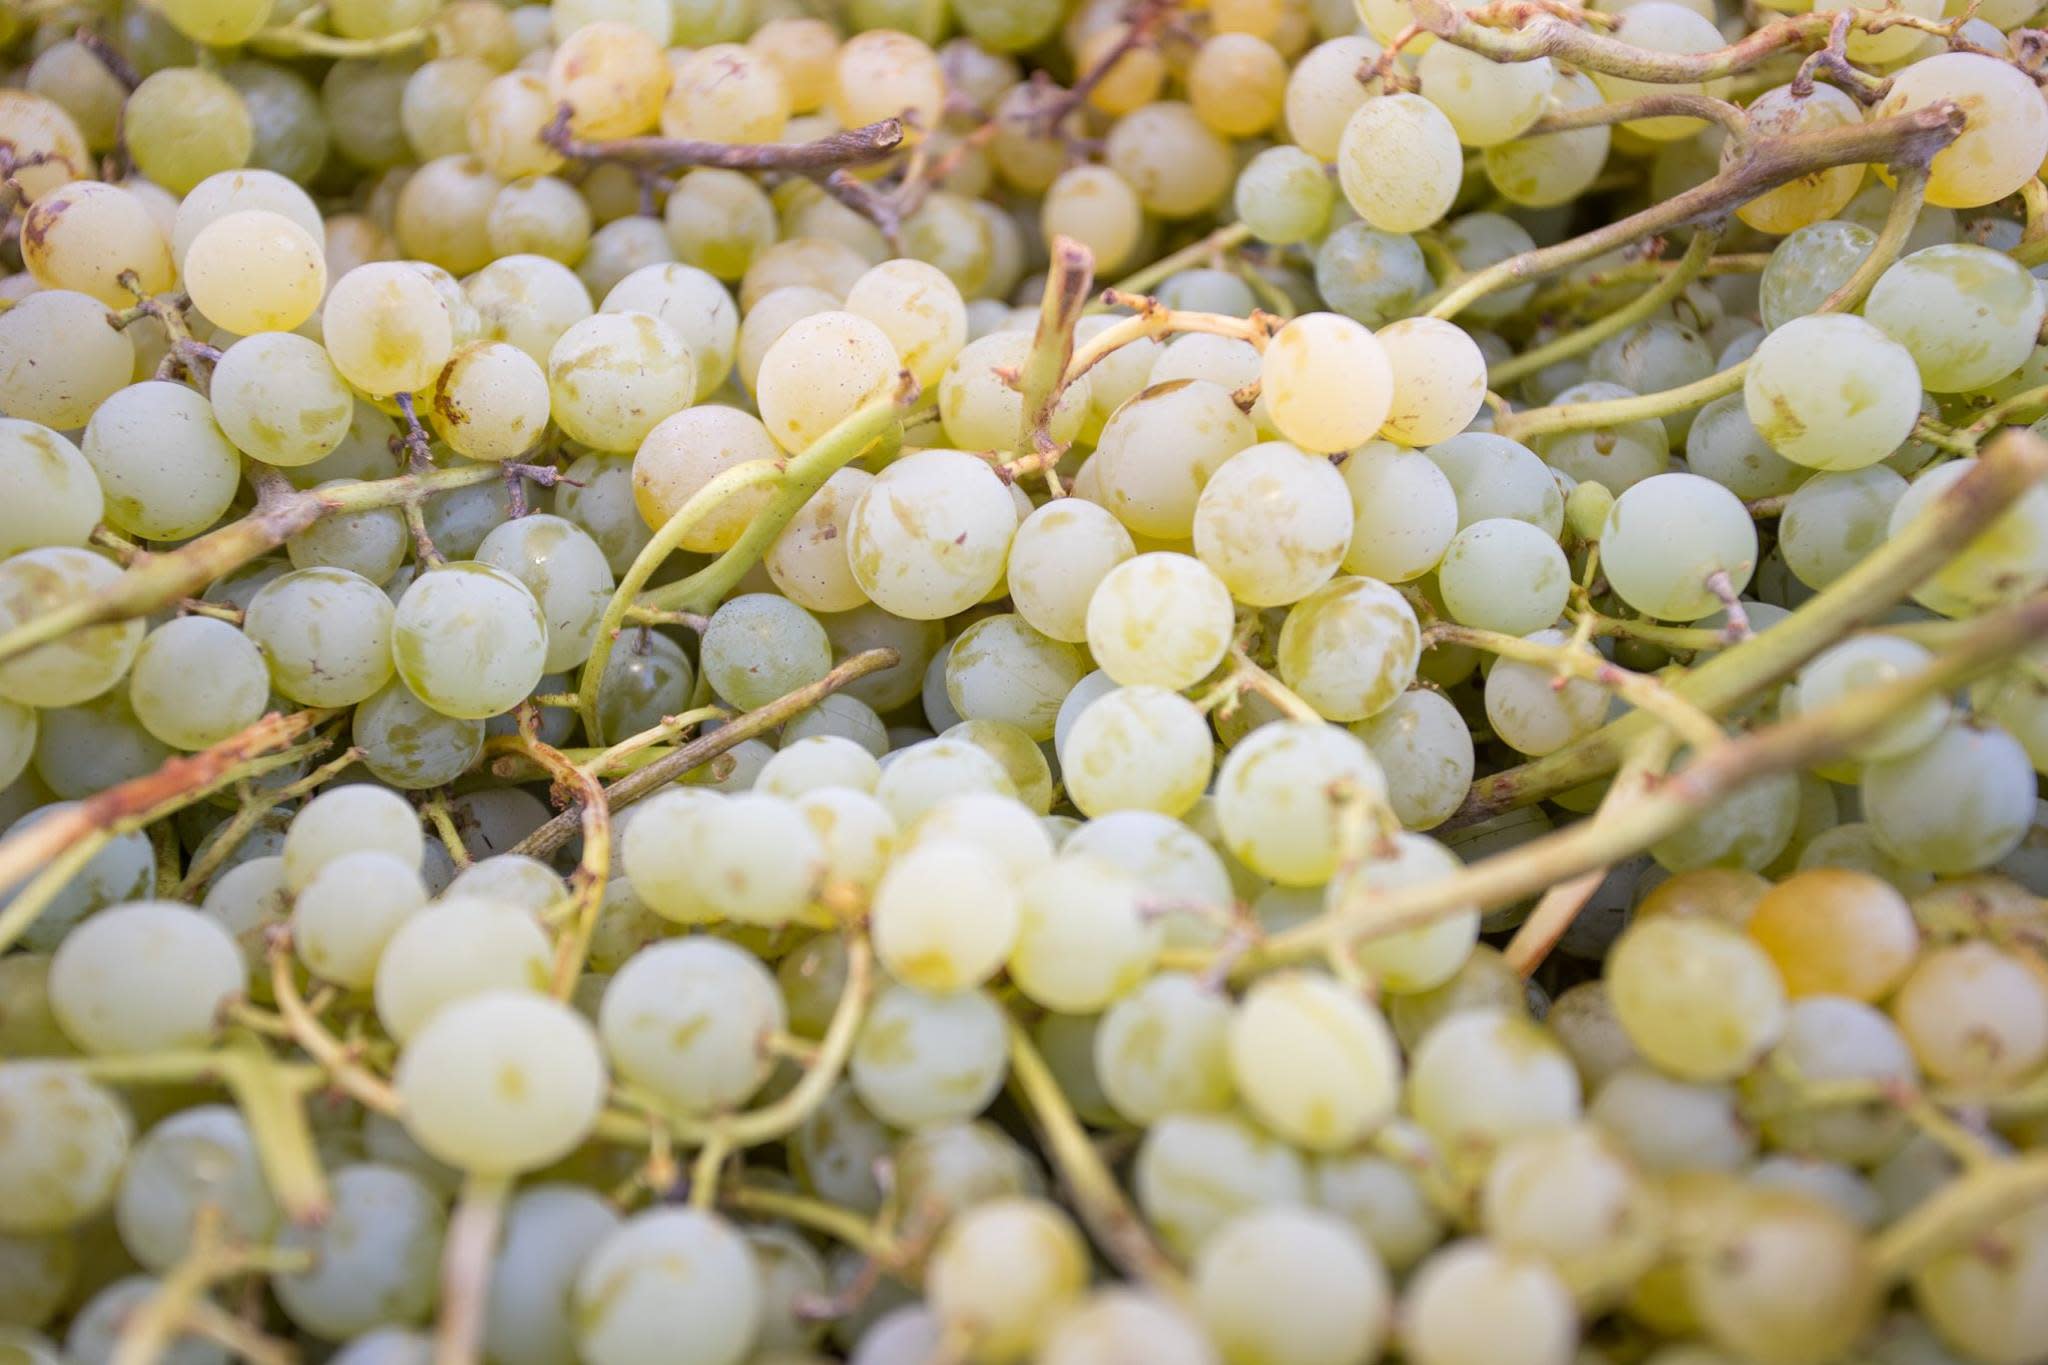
(466, 1268)
(1194, 254)
(1668, 287)
(1960, 1211)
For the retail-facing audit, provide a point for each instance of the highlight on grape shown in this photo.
(1023, 682)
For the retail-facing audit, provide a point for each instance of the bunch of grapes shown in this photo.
(1023, 682)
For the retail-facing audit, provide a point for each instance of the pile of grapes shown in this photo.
(1023, 682)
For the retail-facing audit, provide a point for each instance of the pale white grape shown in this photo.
(1667, 536)
(1313, 1061)
(346, 820)
(1157, 451)
(387, 329)
(1697, 998)
(945, 916)
(1327, 383)
(1831, 391)
(2005, 125)
(613, 376)
(1417, 959)
(1195, 1172)
(1292, 1286)
(1957, 804)
(1399, 162)
(1083, 936)
(1424, 749)
(1278, 795)
(469, 639)
(144, 977)
(501, 1082)
(1474, 1301)
(689, 1021)
(196, 681)
(1059, 555)
(818, 372)
(1002, 1269)
(668, 1287)
(374, 1256)
(348, 911)
(1161, 618)
(1164, 1049)
(202, 1157)
(1504, 575)
(925, 1059)
(929, 536)
(164, 465)
(63, 1146)
(326, 634)
(453, 950)
(1137, 748)
(1001, 669)
(280, 400)
(1349, 648)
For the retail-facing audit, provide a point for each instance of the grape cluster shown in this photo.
(1023, 682)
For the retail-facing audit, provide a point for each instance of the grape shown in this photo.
(1399, 162)
(453, 950)
(929, 536)
(1481, 1078)
(1293, 1287)
(1424, 749)
(1163, 1049)
(95, 1331)
(143, 976)
(1195, 1172)
(613, 376)
(1782, 1273)
(1001, 669)
(1327, 382)
(755, 859)
(1669, 1125)
(469, 639)
(1552, 168)
(501, 1081)
(689, 1022)
(1505, 575)
(387, 329)
(164, 465)
(1139, 748)
(196, 681)
(343, 916)
(685, 452)
(1476, 1301)
(1697, 998)
(927, 1059)
(1164, 151)
(1083, 937)
(84, 749)
(1977, 1297)
(1123, 1324)
(59, 360)
(79, 665)
(1277, 798)
(1832, 520)
(1617, 457)
(1059, 555)
(1161, 447)
(278, 399)
(255, 271)
(199, 1159)
(1350, 648)
(944, 916)
(1283, 196)
(1003, 1268)
(374, 1258)
(1574, 1199)
(1832, 931)
(1959, 803)
(1832, 392)
(1965, 314)
(1312, 1061)
(1867, 661)
(62, 1148)
(85, 235)
(1493, 476)
(2005, 127)
(1973, 1015)
(1160, 618)
(818, 372)
(668, 1285)
(1830, 1040)
(1670, 28)
(2007, 558)
(1439, 380)
(1418, 959)
(1666, 536)
(1322, 93)
(185, 124)
(1372, 276)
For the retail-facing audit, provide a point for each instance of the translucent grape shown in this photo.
(81, 664)
(196, 681)
(1832, 520)
(1505, 575)
(162, 461)
(62, 1148)
(501, 1082)
(1528, 1316)
(613, 376)
(143, 977)
(1399, 162)
(1966, 314)
(1832, 392)
(1667, 536)
(2005, 127)
(928, 538)
(1327, 382)
(469, 639)
(926, 1059)
(374, 1256)
(1293, 1287)
(1160, 448)
(1957, 804)
(1275, 802)
(387, 329)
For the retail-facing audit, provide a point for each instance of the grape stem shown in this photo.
(819, 1216)
(1695, 726)
(255, 803)
(1152, 319)
(1195, 253)
(671, 767)
(162, 579)
(298, 38)
(344, 1072)
(860, 146)
(151, 1329)
(1673, 803)
(1960, 1212)
(586, 795)
(49, 849)
(1907, 140)
(1117, 1228)
(466, 1268)
(1668, 286)
(1044, 379)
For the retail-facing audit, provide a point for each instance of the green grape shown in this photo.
(1698, 999)
(1383, 1202)
(1784, 110)
(759, 647)
(59, 360)
(95, 1331)
(1476, 1301)
(1866, 661)
(1196, 1172)
(184, 124)
(2007, 559)
(1481, 1079)
(1083, 938)
(80, 665)
(345, 820)
(925, 1059)
(279, 400)
(1977, 1297)
(1369, 275)
(255, 271)
(371, 542)
(387, 329)
(374, 1256)
(528, 301)
(469, 639)
(1412, 960)
(241, 191)
(1722, 444)
(1283, 196)
(1274, 798)
(945, 915)
(1808, 266)
(1675, 544)
(978, 407)
(565, 570)
(1487, 102)
(1478, 240)
(164, 465)
(1958, 803)
(1312, 1061)
(1424, 749)
(596, 493)
(143, 976)
(84, 749)
(1292, 1286)
(1781, 1273)
(1399, 162)
(2005, 133)
(1005, 1267)
(841, 716)
(62, 1150)
(1158, 451)
(346, 913)
(688, 1020)
(1350, 648)
(550, 1231)
(325, 633)
(1164, 1049)
(122, 871)
(718, 221)
(86, 235)
(1552, 168)
(1125, 1324)
(695, 305)
(1832, 520)
(815, 762)
(501, 1082)
(1504, 575)
(1323, 92)
(1668, 28)
(1967, 315)
(1493, 476)
(1404, 511)
(1001, 669)
(196, 681)
(1617, 457)
(929, 536)
(436, 104)
(1651, 357)
(1137, 748)
(67, 74)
